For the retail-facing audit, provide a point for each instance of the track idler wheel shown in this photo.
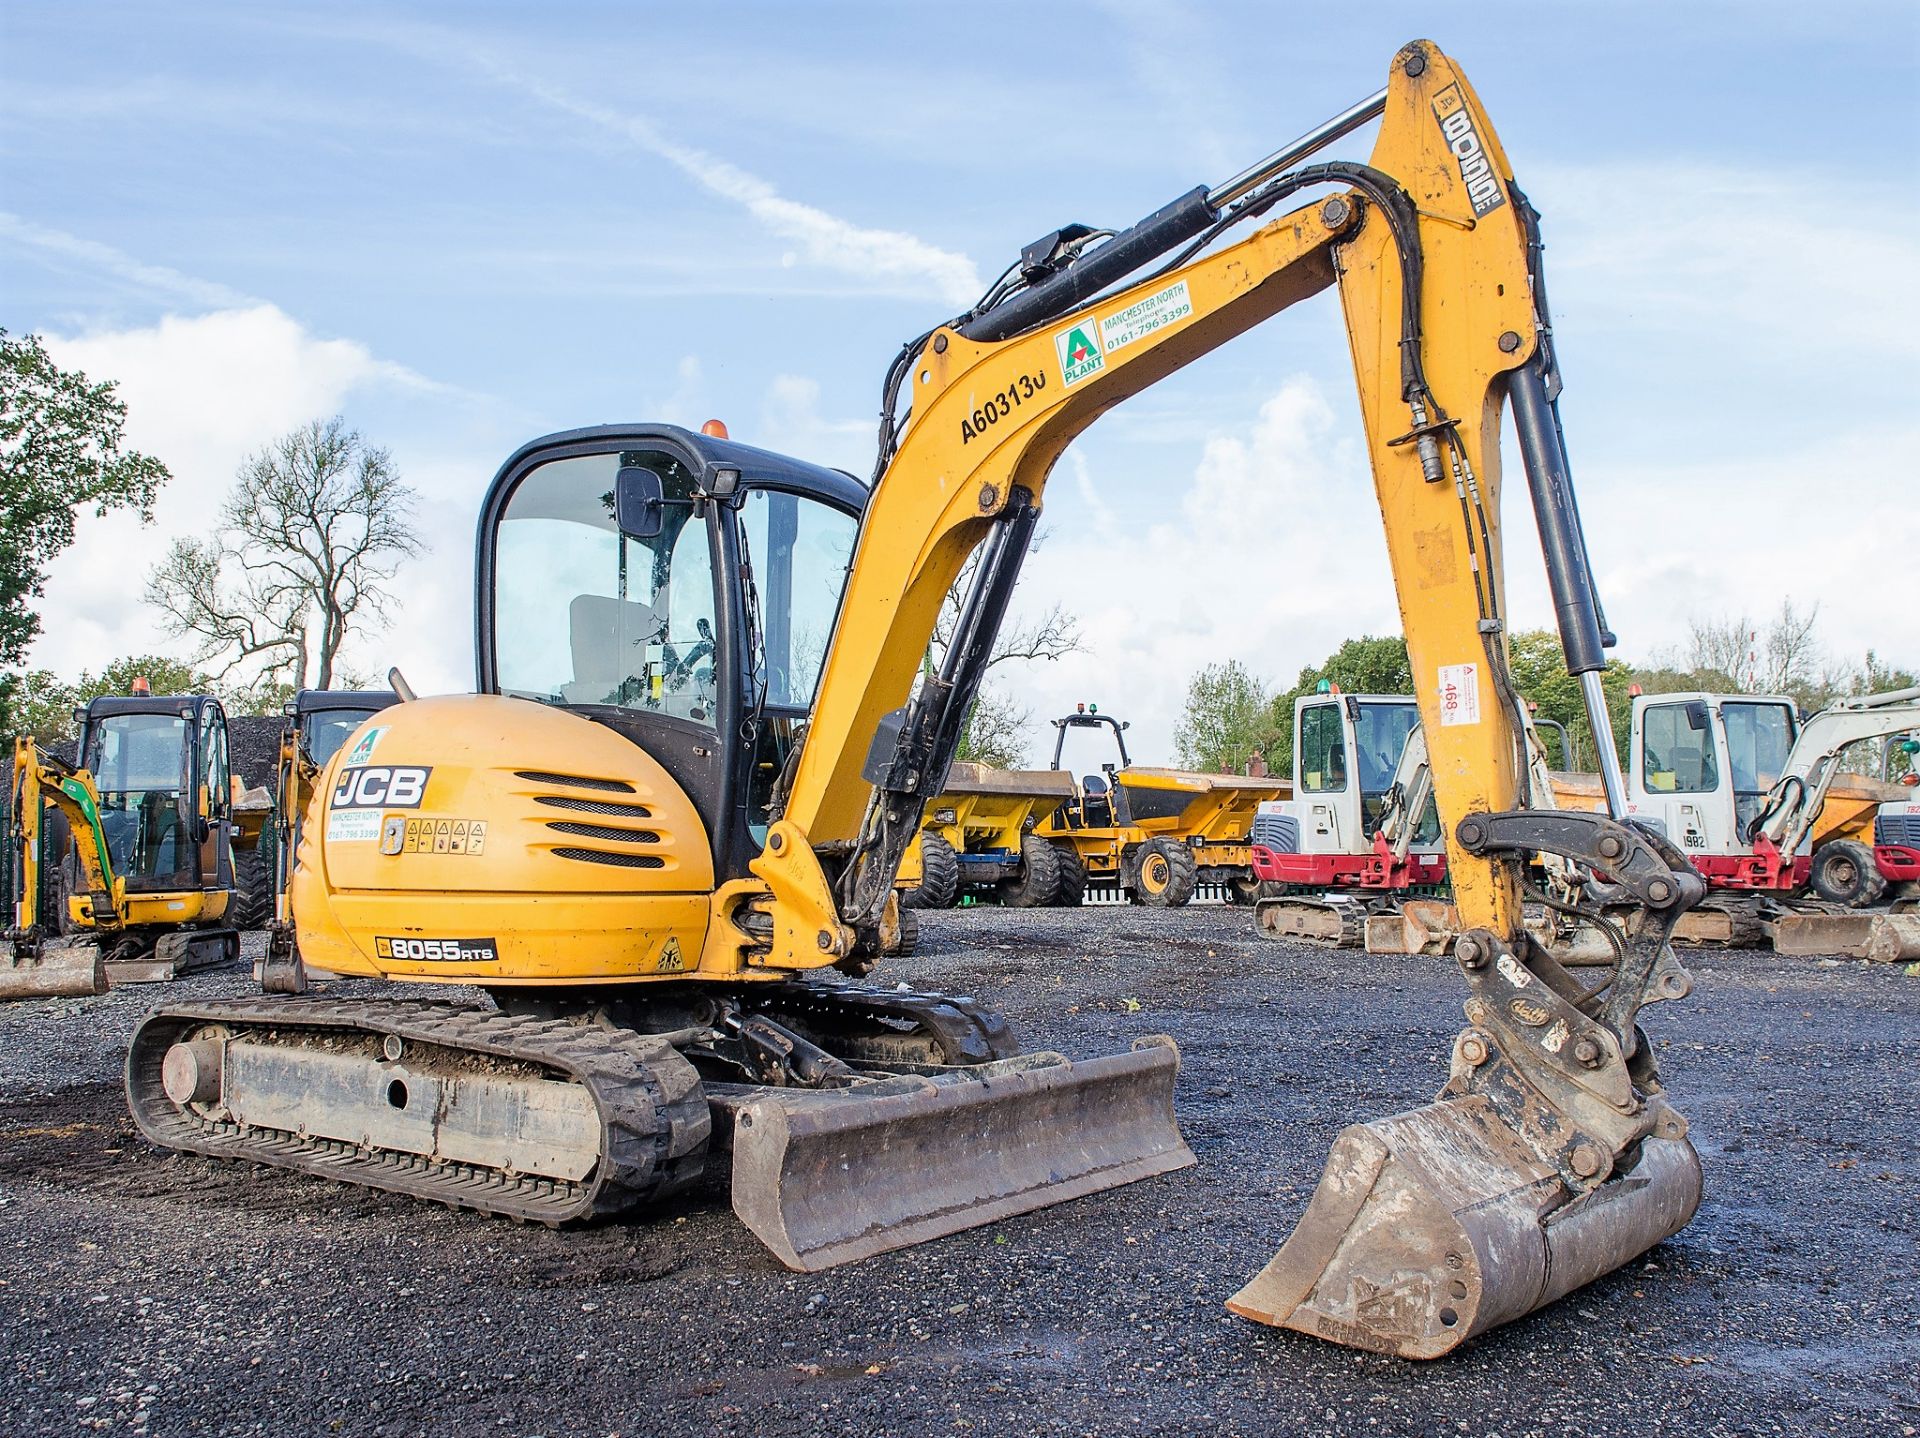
(1437, 1224)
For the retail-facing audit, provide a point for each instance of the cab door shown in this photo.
(1324, 784)
(213, 799)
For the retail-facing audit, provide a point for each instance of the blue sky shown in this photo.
(465, 226)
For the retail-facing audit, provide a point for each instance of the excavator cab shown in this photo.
(161, 768)
(711, 624)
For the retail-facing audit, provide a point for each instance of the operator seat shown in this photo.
(608, 638)
(1096, 808)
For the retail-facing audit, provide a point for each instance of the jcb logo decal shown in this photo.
(380, 786)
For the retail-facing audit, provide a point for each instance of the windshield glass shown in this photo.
(328, 729)
(586, 615)
(1382, 735)
(798, 550)
(1758, 738)
(137, 762)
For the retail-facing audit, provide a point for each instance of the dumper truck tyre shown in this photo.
(1072, 891)
(939, 875)
(1165, 875)
(1242, 890)
(252, 902)
(1844, 873)
(1039, 879)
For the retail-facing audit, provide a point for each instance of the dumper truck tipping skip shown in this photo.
(663, 839)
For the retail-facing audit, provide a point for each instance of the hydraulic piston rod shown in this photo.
(1576, 603)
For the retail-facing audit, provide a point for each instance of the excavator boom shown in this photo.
(1433, 1226)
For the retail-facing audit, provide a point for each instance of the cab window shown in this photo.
(584, 615)
(1675, 757)
(797, 550)
(1322, 750)
(1758, 738)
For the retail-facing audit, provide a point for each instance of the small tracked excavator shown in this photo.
(122, 865)
(675, 813)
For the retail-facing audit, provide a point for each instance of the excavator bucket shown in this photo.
(824, 1177)
(54, 971)
(1440, 1223)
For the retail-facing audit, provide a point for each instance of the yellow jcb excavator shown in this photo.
(663, 837)
(149, 822)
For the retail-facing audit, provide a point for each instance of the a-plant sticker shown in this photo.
(363, 751)
(1079, 354)
(1459, 693)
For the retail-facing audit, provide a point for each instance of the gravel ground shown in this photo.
(144, 1292)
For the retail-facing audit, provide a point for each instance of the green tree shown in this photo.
(1539, 670)
(996, 731)
(1367, 665)
(60, 449)
(44, 702)
(1228, 716)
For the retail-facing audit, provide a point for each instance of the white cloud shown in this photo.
(824, 239)
(1271, 554)
(201, 394)
(150, 279)
(1738, 260)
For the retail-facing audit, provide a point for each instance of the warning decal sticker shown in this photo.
(1459, 693)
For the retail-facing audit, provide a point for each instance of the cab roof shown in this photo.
(710, 454)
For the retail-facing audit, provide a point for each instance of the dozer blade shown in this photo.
(1883, 938)
(824, 1177)
(1437, 1224)
(54, 971)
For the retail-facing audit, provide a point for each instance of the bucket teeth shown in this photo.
(1437, 1224)
(825, 1177)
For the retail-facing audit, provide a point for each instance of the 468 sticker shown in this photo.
(444, 951)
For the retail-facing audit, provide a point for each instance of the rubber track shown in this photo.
(654, 1117)
(1353, 920)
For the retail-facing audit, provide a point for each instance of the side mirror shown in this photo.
(639, 502)
(1697, 715)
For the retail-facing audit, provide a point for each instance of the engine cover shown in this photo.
(475, 838)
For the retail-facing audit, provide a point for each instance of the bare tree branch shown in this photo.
(314, 527)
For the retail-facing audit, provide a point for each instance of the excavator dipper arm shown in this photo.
(36, 967)
(1549, 1157)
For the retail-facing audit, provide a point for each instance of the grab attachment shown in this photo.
(1550, 1157)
